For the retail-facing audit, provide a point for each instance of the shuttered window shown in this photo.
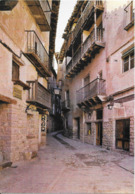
(128, 60)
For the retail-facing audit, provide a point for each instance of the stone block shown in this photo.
(27, 155)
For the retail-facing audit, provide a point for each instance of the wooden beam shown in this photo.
(7, 99)
(90, 103)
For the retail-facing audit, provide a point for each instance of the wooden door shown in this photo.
(99, 134)
(123, 134)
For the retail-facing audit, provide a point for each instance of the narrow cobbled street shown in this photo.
(68, 166)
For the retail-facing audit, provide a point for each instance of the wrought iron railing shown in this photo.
(129, 14)
(66, 104)
(84, 17)
(95, 36)
(34, 45)
(38, 94)
(94, 88)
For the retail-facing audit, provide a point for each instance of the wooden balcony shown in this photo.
(7, 5)
(92, 94)
(66, 106)
(93, 43)
(129, 16)
(38, 95)
(86, 20)
(41, 11)
(37, 53)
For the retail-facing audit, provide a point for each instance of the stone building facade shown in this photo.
(26, 51)
(96, 66)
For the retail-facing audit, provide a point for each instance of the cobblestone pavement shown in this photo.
(68, 166)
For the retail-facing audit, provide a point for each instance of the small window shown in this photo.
(15, 71)
(128, 62)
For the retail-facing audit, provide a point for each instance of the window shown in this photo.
(129, 16)
(128, 61)
(15, 71)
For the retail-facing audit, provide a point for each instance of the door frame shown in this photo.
(122, 139)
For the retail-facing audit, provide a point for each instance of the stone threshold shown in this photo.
(5, 164)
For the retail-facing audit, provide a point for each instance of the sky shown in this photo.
(65, 11)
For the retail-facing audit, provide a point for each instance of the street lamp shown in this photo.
(111, 99)
(110, 106)
(56, 91)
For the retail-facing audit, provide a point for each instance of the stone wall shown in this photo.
(24, 133)
(18, 132)
(5, 131)
(108, 133)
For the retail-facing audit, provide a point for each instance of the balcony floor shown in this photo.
(39, 15)
(37, 63)
(92, 101)
(86, 58)
(38, 104)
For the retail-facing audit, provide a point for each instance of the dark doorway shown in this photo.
(123, 134)
(78, 127)
(99, 133)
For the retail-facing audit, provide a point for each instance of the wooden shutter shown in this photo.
(15, 71)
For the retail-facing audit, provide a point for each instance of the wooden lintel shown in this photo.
(21, 83)
(7, 99)
(18, 60)
(90, 103)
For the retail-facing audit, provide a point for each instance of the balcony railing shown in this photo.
(66, 105)
(41, 11)
(36, 52)
(95, 37)
(84, 17)
(94, 88)
(38, 94)
(129, 16)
